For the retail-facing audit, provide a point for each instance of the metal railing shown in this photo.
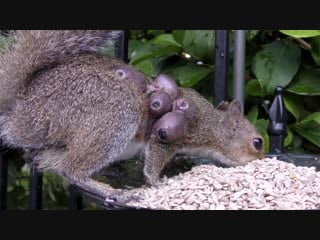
(276, 130)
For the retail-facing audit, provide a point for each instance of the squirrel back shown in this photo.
(29, 51)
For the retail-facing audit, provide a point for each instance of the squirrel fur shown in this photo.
(63, 100)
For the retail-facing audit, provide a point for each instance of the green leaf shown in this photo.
(200, 44)
(315, 49)
(251, 34)
(307, 82)
(178, 35)
(289, 138)
(151, 31)
(312, 117)
(151, 50)
(276, 65)
(24, 183)
(253, 88)
(133, 45)
(297, 141)
(190, 74)
(294, 104)
(10, 188)
(309, 128)
(262, 126)
(301, 33)
(166, 39)
(310, 131)
(252, 115)
(155, 32)
(150, 67)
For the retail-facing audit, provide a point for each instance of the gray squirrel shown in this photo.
(79, 111)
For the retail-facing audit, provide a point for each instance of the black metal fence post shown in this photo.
(35, 188)
(3, 181)
(221, 66)
(123, 46)
(76, 199)
(277, 128)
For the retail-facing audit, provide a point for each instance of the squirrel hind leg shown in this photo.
(83, 178)
(85, 181)
(86, 155)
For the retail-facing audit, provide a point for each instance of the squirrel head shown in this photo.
(244, 143)
(221, 133)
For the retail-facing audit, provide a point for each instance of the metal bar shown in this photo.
(277, 128)
(239, 65)
(76, 199)
(221, 66)
(35, 188)
(277, 144)
(122, 46)
(3, 181)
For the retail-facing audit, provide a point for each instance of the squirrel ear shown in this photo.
(234, 113)
(223, 106)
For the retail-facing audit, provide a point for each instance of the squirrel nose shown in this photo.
(162, 133)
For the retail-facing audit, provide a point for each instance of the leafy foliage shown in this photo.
(301, 33)
(55, 189)
(276, 65)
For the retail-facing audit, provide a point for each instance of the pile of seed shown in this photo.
(261, 184)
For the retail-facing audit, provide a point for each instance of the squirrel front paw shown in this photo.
(121, 197)
(151, 181)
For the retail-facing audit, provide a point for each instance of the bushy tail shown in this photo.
(28, 51)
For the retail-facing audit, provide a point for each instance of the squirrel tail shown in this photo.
(28, 51)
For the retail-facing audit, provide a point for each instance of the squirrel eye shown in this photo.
(121, 73)
(257, 143)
